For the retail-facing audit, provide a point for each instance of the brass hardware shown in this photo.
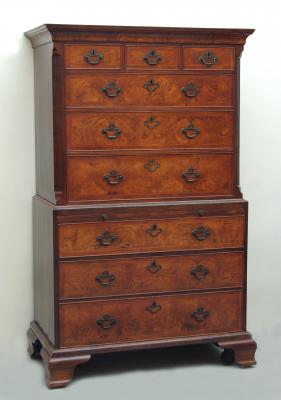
(105, 278)
(200, 272)
(152, 165)
(93, 57)
(153, 308)
(151, 85)
(190, 90)
(152, 58)
(208, 59)
(111, 89)
(190, 131)
(106, 322)
(104, 217)
(200, 233)
(113, 177)
(190, 175)
(200, 314)
(111, 132)
(154, 231)
(151, 123)
(106, 238)
(200, 213)
(153, 267)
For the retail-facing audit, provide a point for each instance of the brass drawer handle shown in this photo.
(106, 322)
(190, 131)
(153, 308)
(111, 132)
(199, 272)
(208, 59)
(153, 267)
(152, 165)
(111, 89)
(200, 314)
(93, 57)
(151, 86)
(151, 123)
(190, 175)
(200, 233)
(190, 90)
(105, 278)
(152, 57)
(106, 238)
(154, 231)
(113, 177)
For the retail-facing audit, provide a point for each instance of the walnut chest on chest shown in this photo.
(140, 228)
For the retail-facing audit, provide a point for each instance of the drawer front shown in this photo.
(90, 90)
(150, 318)
(155, 274)
(217, 58)
(154, 130)
(152, 235)
(91, 56)
(136, 176)
(145, 57)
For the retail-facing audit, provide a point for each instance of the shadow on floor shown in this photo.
(118, 363)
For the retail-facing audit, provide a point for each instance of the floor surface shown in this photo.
(191, 373)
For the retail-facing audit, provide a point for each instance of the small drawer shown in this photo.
(91, 56)
(144, 236)
(93, 178)
(154, 130)
(125, 276)
(116, 90)
(152, 58)
(150, 318)
(209, 58)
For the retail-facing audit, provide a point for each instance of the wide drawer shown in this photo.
(92, 56)
(150, 318)
(122, 276)
(151, 58)
(99, 238)
(96, 90)
(149, 176)
(210, 58)
(153, 130)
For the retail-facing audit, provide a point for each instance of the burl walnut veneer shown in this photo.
(140, 228)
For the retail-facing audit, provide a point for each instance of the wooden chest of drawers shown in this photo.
(140, 228)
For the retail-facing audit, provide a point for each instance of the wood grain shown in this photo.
(74, 56)
(78, 321)
(132, 236)
(86, 90)
(85, 131)
(225, 58)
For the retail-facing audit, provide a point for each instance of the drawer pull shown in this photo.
(106, 238)
(154, 231)
(106, 322)
(152, 57)
(200, 314)
(105, 278)
(113, 178)
(190, 90)
(152, 165)
(190, 175)
(190, 131)
(200, 272)
(111, 132)
(93, 57)
(151, 86)
(153, 308)
(153, 267)
(111, 89)
(200, 233)
(208, 59)
(151, 123)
